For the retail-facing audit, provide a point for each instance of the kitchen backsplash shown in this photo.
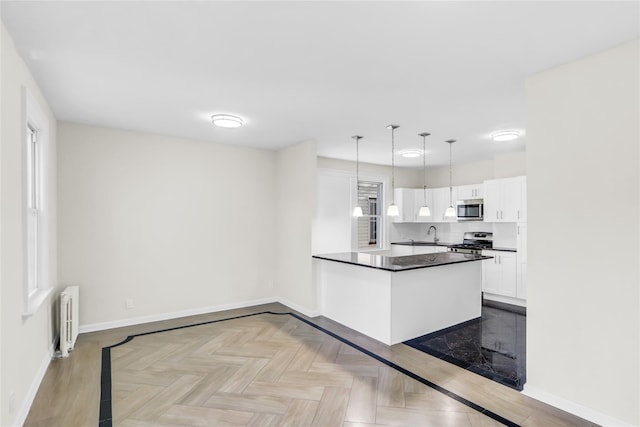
(504, 234)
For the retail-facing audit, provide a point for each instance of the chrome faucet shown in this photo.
(435, 233)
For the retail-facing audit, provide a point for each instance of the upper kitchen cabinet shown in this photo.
(405, 200)
(470, 192)
(505, 200)
(440, 204)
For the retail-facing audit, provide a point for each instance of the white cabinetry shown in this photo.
(404, 199)
(503, 200)
(409, 201)
(521, 281)
(499, 273)
(440, 205)
(469, 192)
(522, 215)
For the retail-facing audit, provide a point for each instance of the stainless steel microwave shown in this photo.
(470, 210)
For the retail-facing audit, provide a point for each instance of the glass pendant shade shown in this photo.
(357, 211)
(424, 211)
(450, 212)
(393, 210)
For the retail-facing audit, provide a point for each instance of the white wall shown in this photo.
(176, 225)
(296, 208)
(26, 342)
(583, 323)
(502, 166)
(404, 177)
(334, 225)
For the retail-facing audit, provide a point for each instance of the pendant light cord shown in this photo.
(450, 179)
(393, 168)
(424, 165)
(393, 164)
(450, 141)
(357, 138)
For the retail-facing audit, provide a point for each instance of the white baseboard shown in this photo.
(300, 309)
(507, 300)
(93, 327)
(574, 408)
(21, 417)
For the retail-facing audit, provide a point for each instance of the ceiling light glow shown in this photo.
(505, 135)
(227, 121)
(411, 153)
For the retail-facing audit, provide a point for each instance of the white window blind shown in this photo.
(370, 224)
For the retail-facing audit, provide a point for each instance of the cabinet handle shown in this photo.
(518, 214)
(497, 217)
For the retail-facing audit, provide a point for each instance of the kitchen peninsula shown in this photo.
(396, 298)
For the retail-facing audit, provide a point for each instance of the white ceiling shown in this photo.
(310, 70)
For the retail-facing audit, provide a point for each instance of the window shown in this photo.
(369, 225)
(35, 155)
(34, 173)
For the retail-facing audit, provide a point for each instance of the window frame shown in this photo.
(35, 202)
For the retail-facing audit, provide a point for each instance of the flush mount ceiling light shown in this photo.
(410, 153)
(505, 135)
(424, 209)
(226, 121)
(393, 210)
(357, 211)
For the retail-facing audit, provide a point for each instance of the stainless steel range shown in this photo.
(473, 242)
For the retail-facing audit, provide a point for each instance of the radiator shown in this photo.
(69, 299)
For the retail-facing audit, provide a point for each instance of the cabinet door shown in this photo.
(419, 201)
(522, 213)
(508, 267)
(491, 275)
(521, 288)
(499, 273)
(403, 198)
(440, 205)
(511, 200)
(492, 200)
(469, 192)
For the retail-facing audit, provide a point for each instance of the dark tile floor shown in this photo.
(493, 345)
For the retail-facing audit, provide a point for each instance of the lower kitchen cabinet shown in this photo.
(499, 274)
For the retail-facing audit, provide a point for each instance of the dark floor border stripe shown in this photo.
(105, 378)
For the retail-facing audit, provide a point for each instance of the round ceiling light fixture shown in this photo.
(227, 121)
(505, 135)
(411, 153)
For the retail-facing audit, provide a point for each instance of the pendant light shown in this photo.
(424, 209)
(393, 210)
(357, 210)
(450, 212)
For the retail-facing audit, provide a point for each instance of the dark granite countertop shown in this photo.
(422, 243)
(400, 263)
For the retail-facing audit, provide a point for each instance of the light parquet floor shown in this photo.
(269, 370)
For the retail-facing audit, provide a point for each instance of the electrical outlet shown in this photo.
(128, 303)
(12, 401)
